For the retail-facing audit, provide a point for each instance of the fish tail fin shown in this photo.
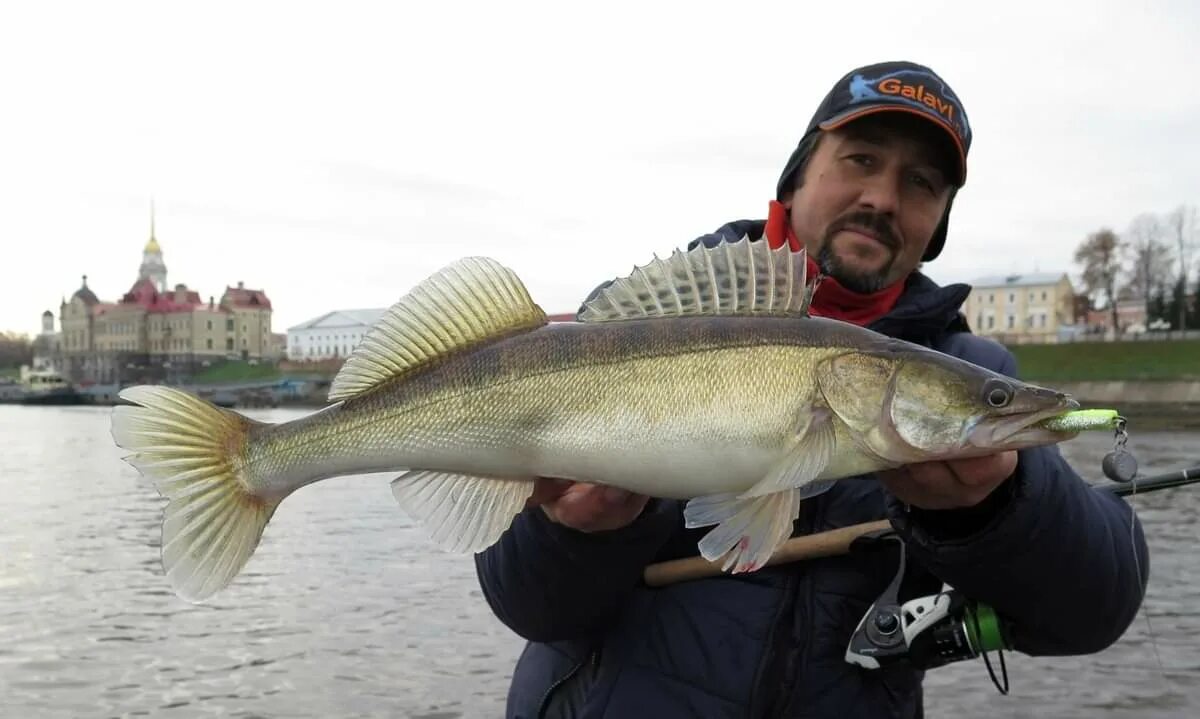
(195, 453)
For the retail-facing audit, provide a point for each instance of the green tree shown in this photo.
(1177, 305)
(1194, 310)
(1160, 308)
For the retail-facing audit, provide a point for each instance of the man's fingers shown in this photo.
(930, 485)
(592, 507)
(547, 489)
(615, 496)
(591, 499)
(986, 471)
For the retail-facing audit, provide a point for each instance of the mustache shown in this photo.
(872, 221)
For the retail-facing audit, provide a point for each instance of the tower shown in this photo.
(153, 268)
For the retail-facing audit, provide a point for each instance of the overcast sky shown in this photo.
(335, 154)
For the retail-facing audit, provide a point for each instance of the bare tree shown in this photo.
(1152, 258)
(1100, 256)
(15, 350)
(1182, 228)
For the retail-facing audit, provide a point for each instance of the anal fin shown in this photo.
(749, 529)
(462, 513)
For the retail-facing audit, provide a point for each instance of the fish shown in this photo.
(699, 377)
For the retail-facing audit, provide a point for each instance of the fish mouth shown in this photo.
(1021, 430)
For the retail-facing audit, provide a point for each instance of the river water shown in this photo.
(346, 611)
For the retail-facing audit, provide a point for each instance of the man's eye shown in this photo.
(860, 159)
(923, 182)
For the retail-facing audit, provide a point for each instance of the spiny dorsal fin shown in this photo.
(734, 278)
(466, 303)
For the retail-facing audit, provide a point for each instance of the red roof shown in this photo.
(142, 293)
(241, 297)
(145, 294)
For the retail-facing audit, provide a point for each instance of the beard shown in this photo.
(852, 278)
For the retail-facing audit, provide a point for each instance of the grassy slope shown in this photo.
(237, 371)
(1110, 361)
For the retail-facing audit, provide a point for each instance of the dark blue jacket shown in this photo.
(1049, 553)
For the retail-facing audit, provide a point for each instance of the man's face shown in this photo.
(873, 193)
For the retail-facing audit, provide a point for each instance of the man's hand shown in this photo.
(951, 484)
(586, 507)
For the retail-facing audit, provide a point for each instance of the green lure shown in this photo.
(1081, 420)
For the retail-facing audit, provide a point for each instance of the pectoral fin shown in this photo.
(810, 453)
(748, 531)
(462, 513)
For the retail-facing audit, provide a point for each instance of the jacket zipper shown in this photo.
(781, 651)
(544, 704)
(764, 698)
(796, 657)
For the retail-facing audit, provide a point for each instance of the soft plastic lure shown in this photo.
(1082, 420)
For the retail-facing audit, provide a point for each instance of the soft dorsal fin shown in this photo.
(466, 303)
(733, 278)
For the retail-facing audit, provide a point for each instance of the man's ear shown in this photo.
(788, 198)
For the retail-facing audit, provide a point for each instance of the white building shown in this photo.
(47, 345)
(1036, 307)
(332, 335)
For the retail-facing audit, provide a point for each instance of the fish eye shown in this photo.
(997, 393)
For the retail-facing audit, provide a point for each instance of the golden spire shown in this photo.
(152, 245)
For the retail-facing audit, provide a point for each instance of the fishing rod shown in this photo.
(1168, 480)
(837, 541)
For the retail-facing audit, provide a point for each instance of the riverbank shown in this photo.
(1155, 380)
(1149, 416)
(1142, 361)
(1173, 405)
(1155, 384)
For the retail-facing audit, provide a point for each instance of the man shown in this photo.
(868, 192)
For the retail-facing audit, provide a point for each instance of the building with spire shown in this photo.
(153, 268)
(46, 346)
(156, 334)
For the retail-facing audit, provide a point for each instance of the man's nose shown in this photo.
(881, 194)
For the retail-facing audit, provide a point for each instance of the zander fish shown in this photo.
(699, 377)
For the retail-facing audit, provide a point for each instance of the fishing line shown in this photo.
(1120, 465)
(1162, 672)
(1002, 688)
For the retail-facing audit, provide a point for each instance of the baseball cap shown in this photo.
(898, 86)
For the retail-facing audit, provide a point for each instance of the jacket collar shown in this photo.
(924, 311)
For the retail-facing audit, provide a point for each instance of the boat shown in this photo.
(45, 387)
(10, 390)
